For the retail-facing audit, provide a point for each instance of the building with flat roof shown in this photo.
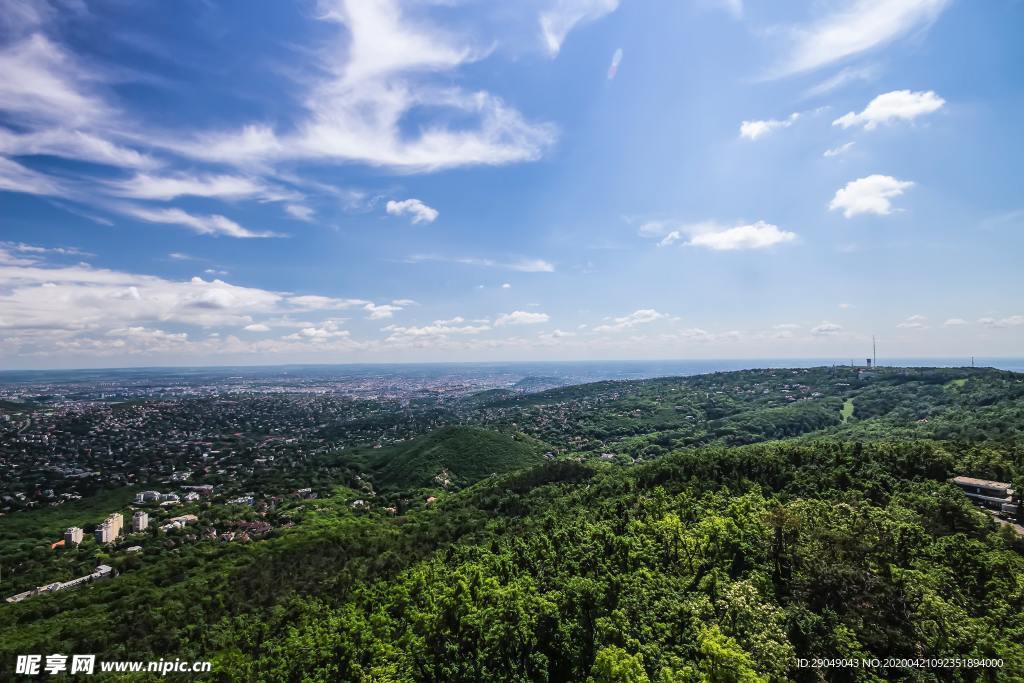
(73, 536)
(994, 495)
(110, 529)
(140, 520)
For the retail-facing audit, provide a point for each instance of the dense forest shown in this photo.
(715, 528)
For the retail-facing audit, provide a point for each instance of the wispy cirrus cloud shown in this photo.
(520, 265)
(564, 15)
(854, 27)
(214, 224)
(355, 108)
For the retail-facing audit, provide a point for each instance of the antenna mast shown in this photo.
(874, 352)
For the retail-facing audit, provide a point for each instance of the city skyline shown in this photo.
(575, 180)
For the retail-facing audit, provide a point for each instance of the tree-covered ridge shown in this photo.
(735, 408)
(703, 561)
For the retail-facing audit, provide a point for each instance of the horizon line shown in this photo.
(826, 362)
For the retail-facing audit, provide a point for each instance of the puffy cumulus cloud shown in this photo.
(853, 27)
(913, 322)
(898, 105)
(380, 311)
(521, 318)
(319, 334)
(438, 329)
(81, 297)
(417, 210)
(752, 130)
(149, 337)
(955, 322)
(759, 235)
(558, 20)
(316, 302)
(714, 235)
(826, 329)
(45, 305)
(640, 316)
(871, 194)
(1009, 321)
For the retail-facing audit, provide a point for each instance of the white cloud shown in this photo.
(869, 195)
(299, 211)
(653, 229)
(714, 235)
(375, 73)
(326, 331)
(437, 330)
(641, 316)
(506, 285)
(913, 322)
(955, 322)
(420, 212)
(837, 151)
(204, 225)
(521, 265)
(826, 329)
(15, 177)
(752, 130)
(857, 26)
(845, 76)
(316, 302)
(381, 311)
(892, 106)
(671, 238)
(564, 15)
(1009, 321)
(521, 318)
(759, 235)
(257, 327)
(72, 144)
(40, 81)
(145, 186)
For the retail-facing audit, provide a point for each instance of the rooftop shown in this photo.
(984, 483)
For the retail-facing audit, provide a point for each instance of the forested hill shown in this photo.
(651, 417)
(453, 456)
(713, 528)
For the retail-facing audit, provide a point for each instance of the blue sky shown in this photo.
(265, 182)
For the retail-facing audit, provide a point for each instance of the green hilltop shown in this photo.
(460, 455)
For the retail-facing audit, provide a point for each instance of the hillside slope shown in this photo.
(459, 455)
